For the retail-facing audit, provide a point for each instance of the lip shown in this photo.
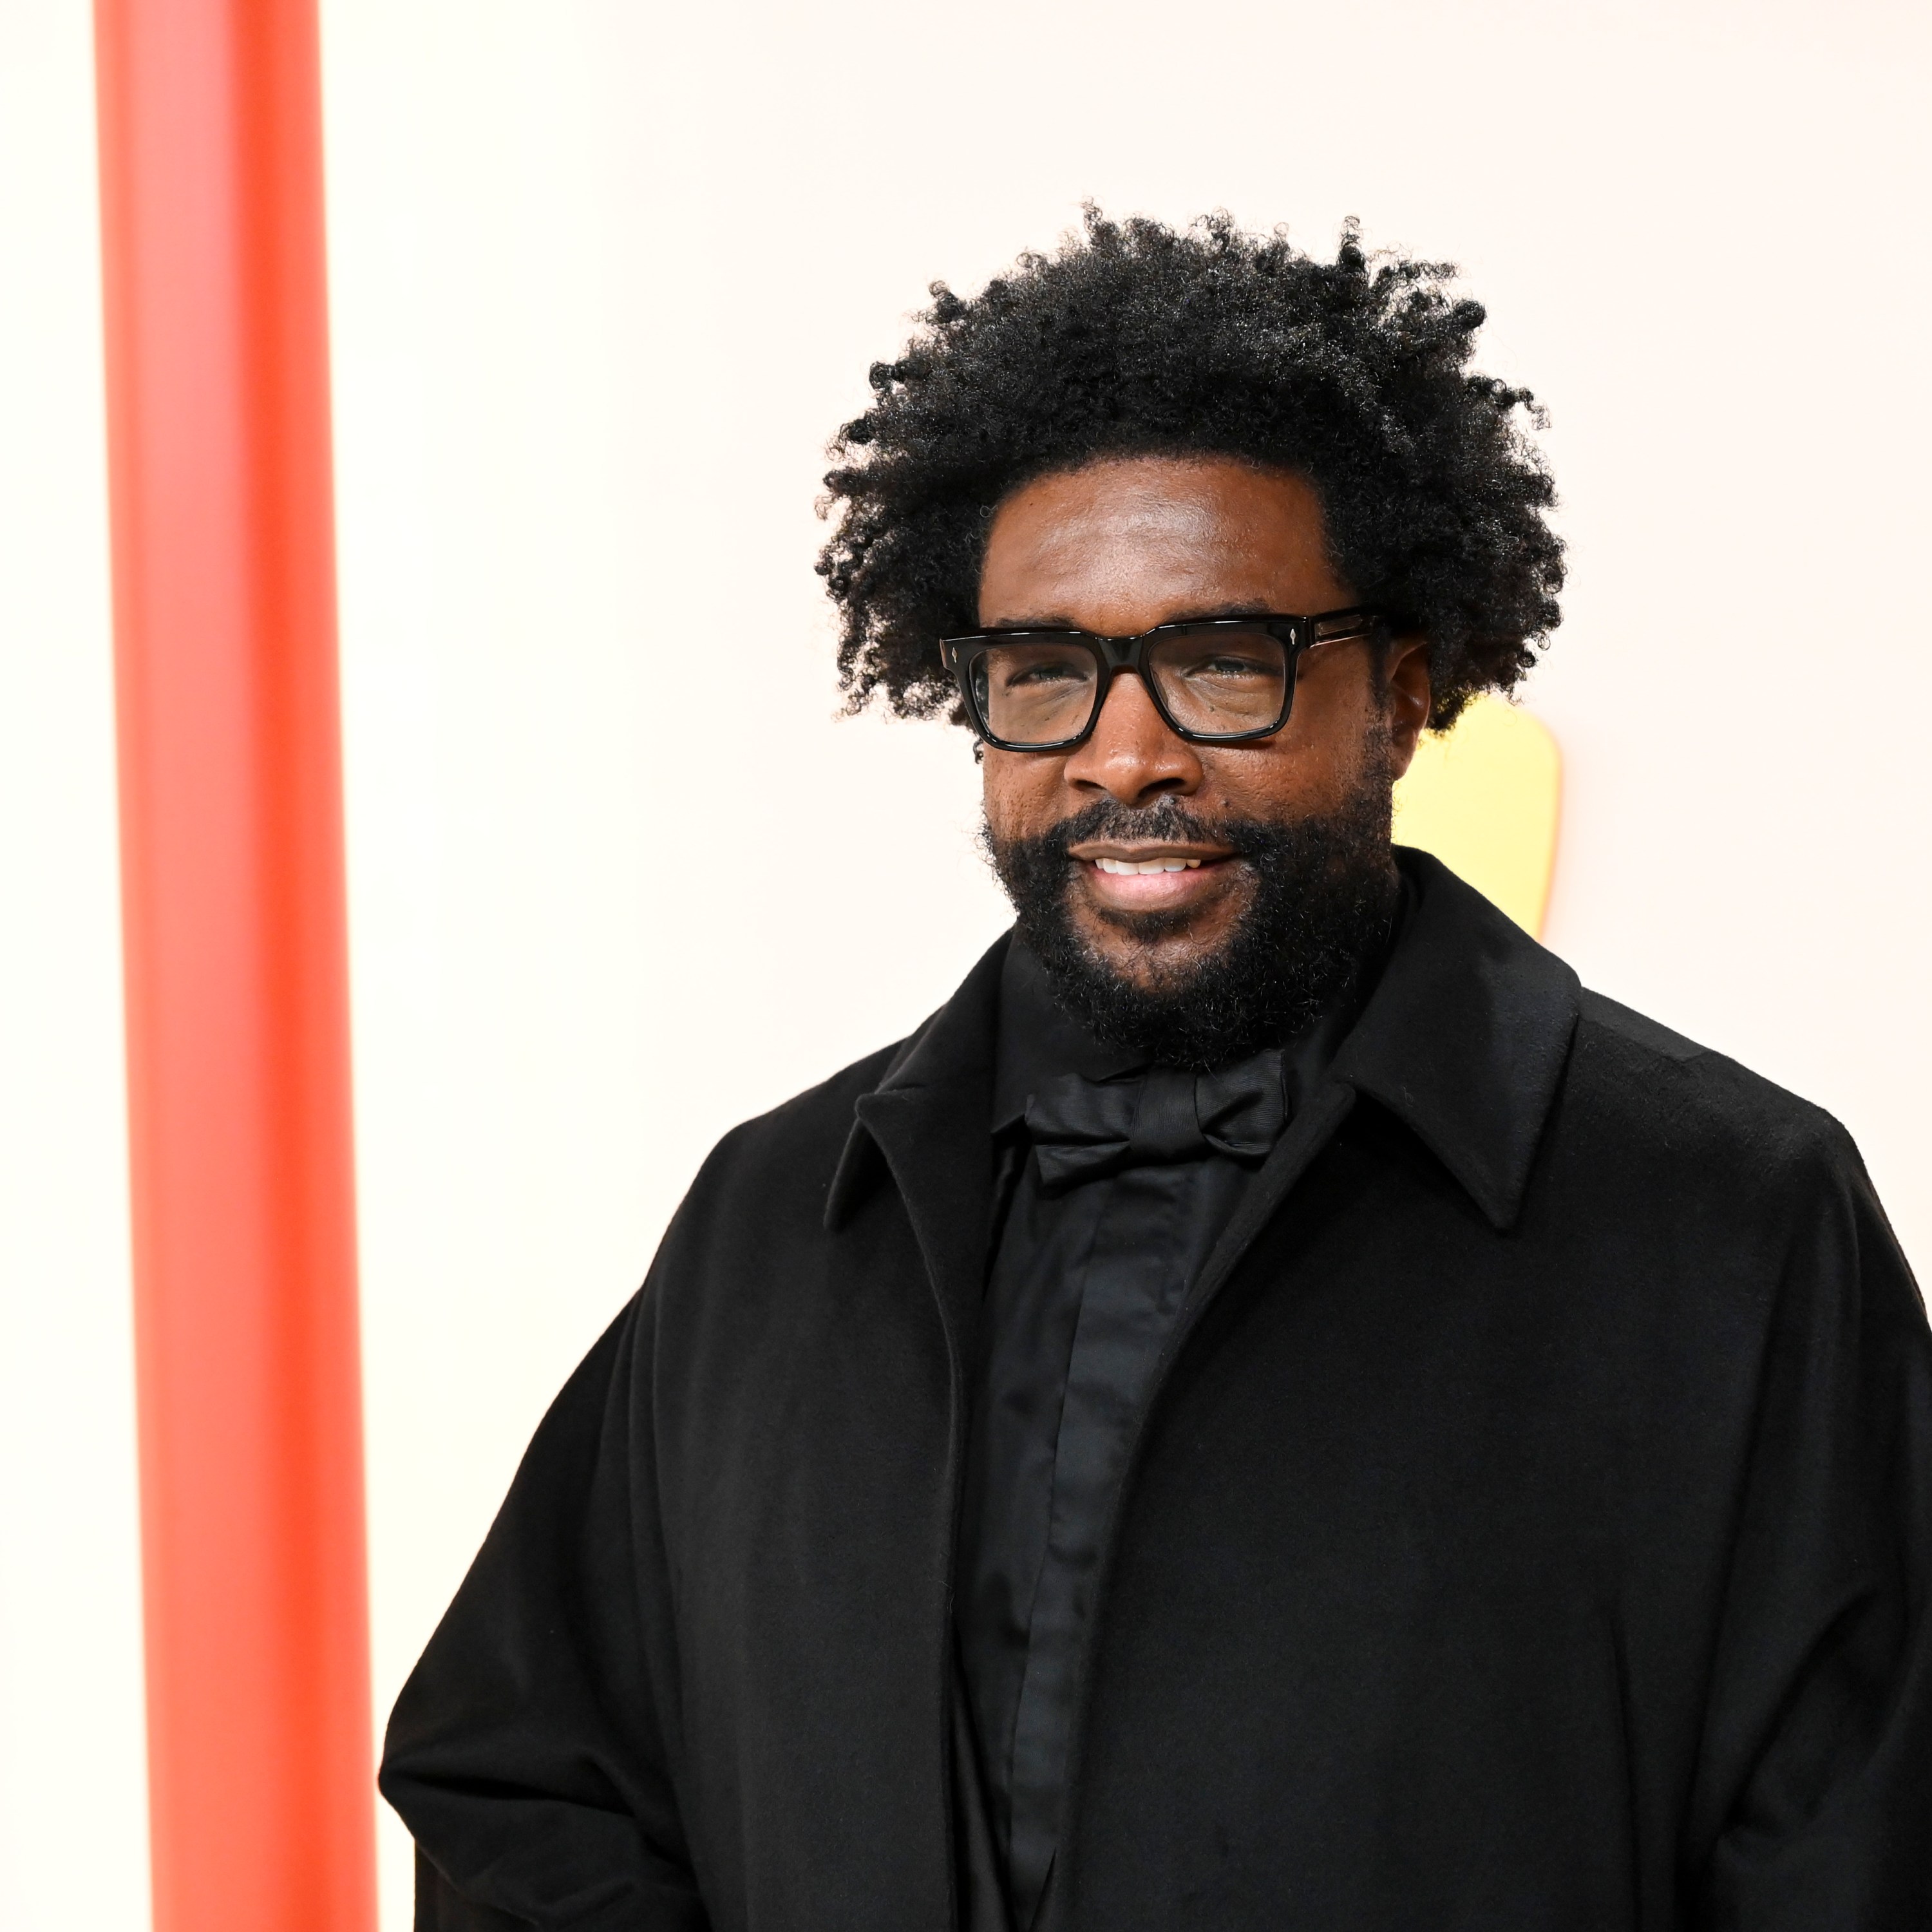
(1200, 874)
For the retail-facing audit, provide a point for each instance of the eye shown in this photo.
(1045, 672)
(1229, 664)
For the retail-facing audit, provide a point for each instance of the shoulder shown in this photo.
(1650, 1086)
(1745, 1170)
(1595, 1011)
(762, 1193)
(750, 1229)
(800, 1140)
(1699, 1184)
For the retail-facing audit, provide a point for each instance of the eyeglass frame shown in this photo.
(1298, 635)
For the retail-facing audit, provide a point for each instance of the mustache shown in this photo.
(1167, 818)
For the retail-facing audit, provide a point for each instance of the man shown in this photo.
(1274, 1408)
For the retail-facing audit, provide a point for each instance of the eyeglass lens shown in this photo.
(1220, 683)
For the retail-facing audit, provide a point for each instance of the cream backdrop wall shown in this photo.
(605, 275)
(73, 1787)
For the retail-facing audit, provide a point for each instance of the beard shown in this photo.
(1317, 915)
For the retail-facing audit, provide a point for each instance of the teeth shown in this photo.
(1127, 866)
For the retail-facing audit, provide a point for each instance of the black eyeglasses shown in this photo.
(1214, 680)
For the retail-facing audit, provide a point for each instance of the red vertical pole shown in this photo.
(231, 826)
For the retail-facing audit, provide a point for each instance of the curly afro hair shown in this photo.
(1136, 339)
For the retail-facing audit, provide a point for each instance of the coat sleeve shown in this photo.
(532, 1752)
(1813, 1799)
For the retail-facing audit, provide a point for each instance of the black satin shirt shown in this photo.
(1083, 1286)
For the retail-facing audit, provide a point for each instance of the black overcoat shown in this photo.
(1531, 1527)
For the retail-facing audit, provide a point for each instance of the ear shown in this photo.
(1406, 678)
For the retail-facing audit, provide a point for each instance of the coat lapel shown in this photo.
(1312, 1129)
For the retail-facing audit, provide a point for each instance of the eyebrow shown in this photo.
(1060, 621)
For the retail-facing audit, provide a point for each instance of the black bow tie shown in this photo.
(1083, 1129)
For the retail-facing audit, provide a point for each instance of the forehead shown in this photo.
(1123, 544)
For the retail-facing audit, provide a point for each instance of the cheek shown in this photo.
(1272, 782)
(1314, 764)
(1334, 699)
(1334, 720)
(1020, 793)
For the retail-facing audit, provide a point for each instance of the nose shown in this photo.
(1132, 756)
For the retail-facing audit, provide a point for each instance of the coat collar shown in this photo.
(1464, 1040)
(1465, 1037)
(926, 1123)
(949, 1054)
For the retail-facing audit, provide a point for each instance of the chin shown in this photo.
(1145, 948)
(1192, 931)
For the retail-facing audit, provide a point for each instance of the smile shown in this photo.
(1121, 880)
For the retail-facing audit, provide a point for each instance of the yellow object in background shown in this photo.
(1485, 798)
